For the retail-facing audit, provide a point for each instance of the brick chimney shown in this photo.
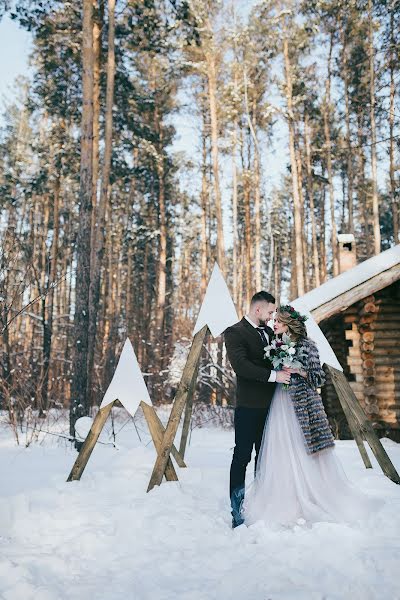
(347, 251)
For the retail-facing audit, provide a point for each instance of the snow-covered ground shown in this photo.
(104, 538)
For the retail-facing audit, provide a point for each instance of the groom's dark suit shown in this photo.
(245, 349)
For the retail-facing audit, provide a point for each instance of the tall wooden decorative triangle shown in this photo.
(217, 312)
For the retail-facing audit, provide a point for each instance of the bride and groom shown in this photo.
(298, 478)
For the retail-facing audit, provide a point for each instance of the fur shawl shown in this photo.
(306, 400)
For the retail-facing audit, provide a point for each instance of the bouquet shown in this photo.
(282, 353)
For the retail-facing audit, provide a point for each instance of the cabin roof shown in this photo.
(347, 288)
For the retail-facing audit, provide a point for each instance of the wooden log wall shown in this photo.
(366, 340)
(334, 330)
(387, 360)
(367, 315)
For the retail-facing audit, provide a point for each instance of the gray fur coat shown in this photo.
(306, 400)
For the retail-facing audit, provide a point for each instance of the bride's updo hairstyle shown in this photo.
(296, 323)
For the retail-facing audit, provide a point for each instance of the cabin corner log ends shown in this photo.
(361, 426)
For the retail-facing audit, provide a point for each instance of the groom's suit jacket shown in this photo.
(245, 350)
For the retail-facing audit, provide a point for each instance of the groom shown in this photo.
(245, 342)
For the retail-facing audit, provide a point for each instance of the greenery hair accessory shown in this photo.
(287, 308)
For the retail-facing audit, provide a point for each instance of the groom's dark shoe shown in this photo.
(236, 523)
(237, 498)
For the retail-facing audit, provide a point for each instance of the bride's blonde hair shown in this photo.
(294, 321)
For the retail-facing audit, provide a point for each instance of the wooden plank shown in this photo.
(350, 317)
(354, 428)
(388, 332)
(90, 442)
(392, 351)
(351, 334)
(345, 392)
(354, 361)
(160, 432)
(354, 351)
(357, 370)
(384, 386)
(382, 324)
(393, 361)
(188, 412)
(177, 408)
(156, 434)
(389, 342)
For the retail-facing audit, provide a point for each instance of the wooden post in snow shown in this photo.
(354, 427)
(347, 396)
(188, 414)
(177, 408)
(89, 443)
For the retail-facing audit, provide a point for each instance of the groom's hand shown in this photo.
(283, 377)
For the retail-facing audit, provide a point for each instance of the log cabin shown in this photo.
(359, 313)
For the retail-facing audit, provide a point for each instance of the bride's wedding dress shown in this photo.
(293, 486)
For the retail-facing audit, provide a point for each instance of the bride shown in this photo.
(299, 478)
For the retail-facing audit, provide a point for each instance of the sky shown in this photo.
(15, 46)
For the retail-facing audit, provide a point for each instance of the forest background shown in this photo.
(149, 139)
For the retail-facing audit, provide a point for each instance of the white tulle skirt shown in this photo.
(292, 486)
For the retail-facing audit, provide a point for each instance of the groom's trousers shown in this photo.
(249, 427)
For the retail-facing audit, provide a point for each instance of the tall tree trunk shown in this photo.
(235, 217)
(130, 312)
(99, 239)
(392, 167)
(204, 198)
(277, 271)
(212, 96)
(322, 230)
(362, 196)
(79, 405)
(246, 254)
(52, 276)
(257, 221)
(298, 241)
(328, 145)
(349, 154)
(158, 331)
(303, 208)
(162, 255)
(375, 200)
(98, 17)
(293, 279)
(310, 191)
(257, 191)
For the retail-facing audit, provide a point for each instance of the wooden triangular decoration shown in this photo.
(127, 385)
(217, 310)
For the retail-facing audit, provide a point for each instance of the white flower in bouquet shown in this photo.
(282, 353)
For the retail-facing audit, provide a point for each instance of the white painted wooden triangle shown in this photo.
(218, 310)
(326, 353)
(127, 384)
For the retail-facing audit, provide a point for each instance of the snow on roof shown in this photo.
(352, 278)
